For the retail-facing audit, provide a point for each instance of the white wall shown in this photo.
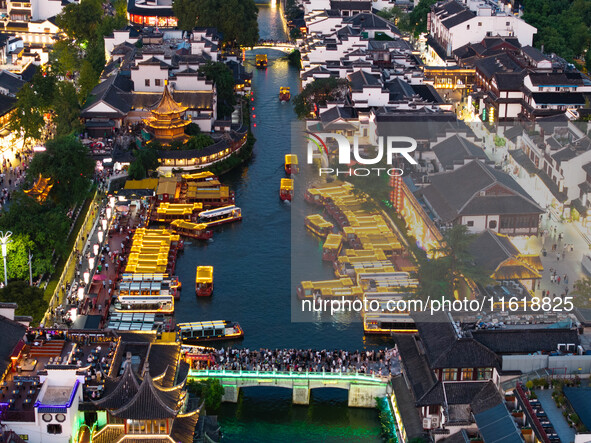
(480, 223)
(461, 35)
(43, 9)
(148, 72)
(529, 363)
(118, 37)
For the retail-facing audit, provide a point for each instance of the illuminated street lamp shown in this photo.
(95, 248)
(91, 262)
(80, 293)
(4, 240)
(86, 277)
(109, 212)
(100, 236)
(104, 222)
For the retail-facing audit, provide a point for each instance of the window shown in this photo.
(506, 23)
(450, 374)
(492, 224)
(470, 223)
(54, 429)
(467, 374)
(158, 82)
(467, 26)
(147, 82)
(484, 373)
(479, 23)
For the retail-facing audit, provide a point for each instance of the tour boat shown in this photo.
(332, 247)
(286, 189)
(284, 94)
(206, 331)
(204, 281)
(193, 230)
(318, 225)
(261, 60)
(219, 216)
(291, 164)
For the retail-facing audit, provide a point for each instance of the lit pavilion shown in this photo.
(40, 189)
(166, 121)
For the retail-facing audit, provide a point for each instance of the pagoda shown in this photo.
(166, 121)
(40, 189)
(149, 404)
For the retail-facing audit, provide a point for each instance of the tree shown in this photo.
(41, 227)
(66, 110)
(95, 54)
(87, 81)
(186, 11)
(64, 57)
(417, 19)
(295, 58)
(80, 21)
(221, 75)
(66, 161)
(146, 159)
(318, 93)
(198, 142)
(28, 117)
(398, 16)
(29, 299)
(210, 391)
(236, 20)
(441, 275)
(582, 293)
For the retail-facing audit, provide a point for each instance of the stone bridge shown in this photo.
(280, 46)
(363, 388)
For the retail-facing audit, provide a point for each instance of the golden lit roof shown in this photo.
(40, 189)
(167, 104)
(204, 274)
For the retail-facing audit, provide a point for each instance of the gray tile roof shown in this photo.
(455, 150)
(525, 341)
(463, 192)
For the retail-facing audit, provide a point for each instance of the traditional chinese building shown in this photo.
(166, 121)
(147, 402)
(40, 189)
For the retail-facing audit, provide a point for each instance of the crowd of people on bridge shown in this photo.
(380, 362)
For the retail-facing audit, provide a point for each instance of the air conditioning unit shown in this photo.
(426, 423)
(435, 421)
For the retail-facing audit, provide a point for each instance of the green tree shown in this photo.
(582, 293)
(64, 57)
(221, 75)
(236, 20)
(87, 81)
(41, 227)
(318, 93)
(198, 142)
(295, 58)
(442, 275)
(67, 162)
(186, 11)
(95, 54)
(28, 117)
(417, 19)
(146, 159)
(398, 16)
(29, 299)
(210, 391)
(80, 21)
(66, 110)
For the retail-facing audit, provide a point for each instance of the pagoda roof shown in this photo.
(40, 188)
(150, 402)
(167, 104)
(120, 391)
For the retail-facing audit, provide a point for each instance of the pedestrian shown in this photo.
(558, 279)
(557, 257)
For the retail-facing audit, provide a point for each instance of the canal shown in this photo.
(252, 277)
